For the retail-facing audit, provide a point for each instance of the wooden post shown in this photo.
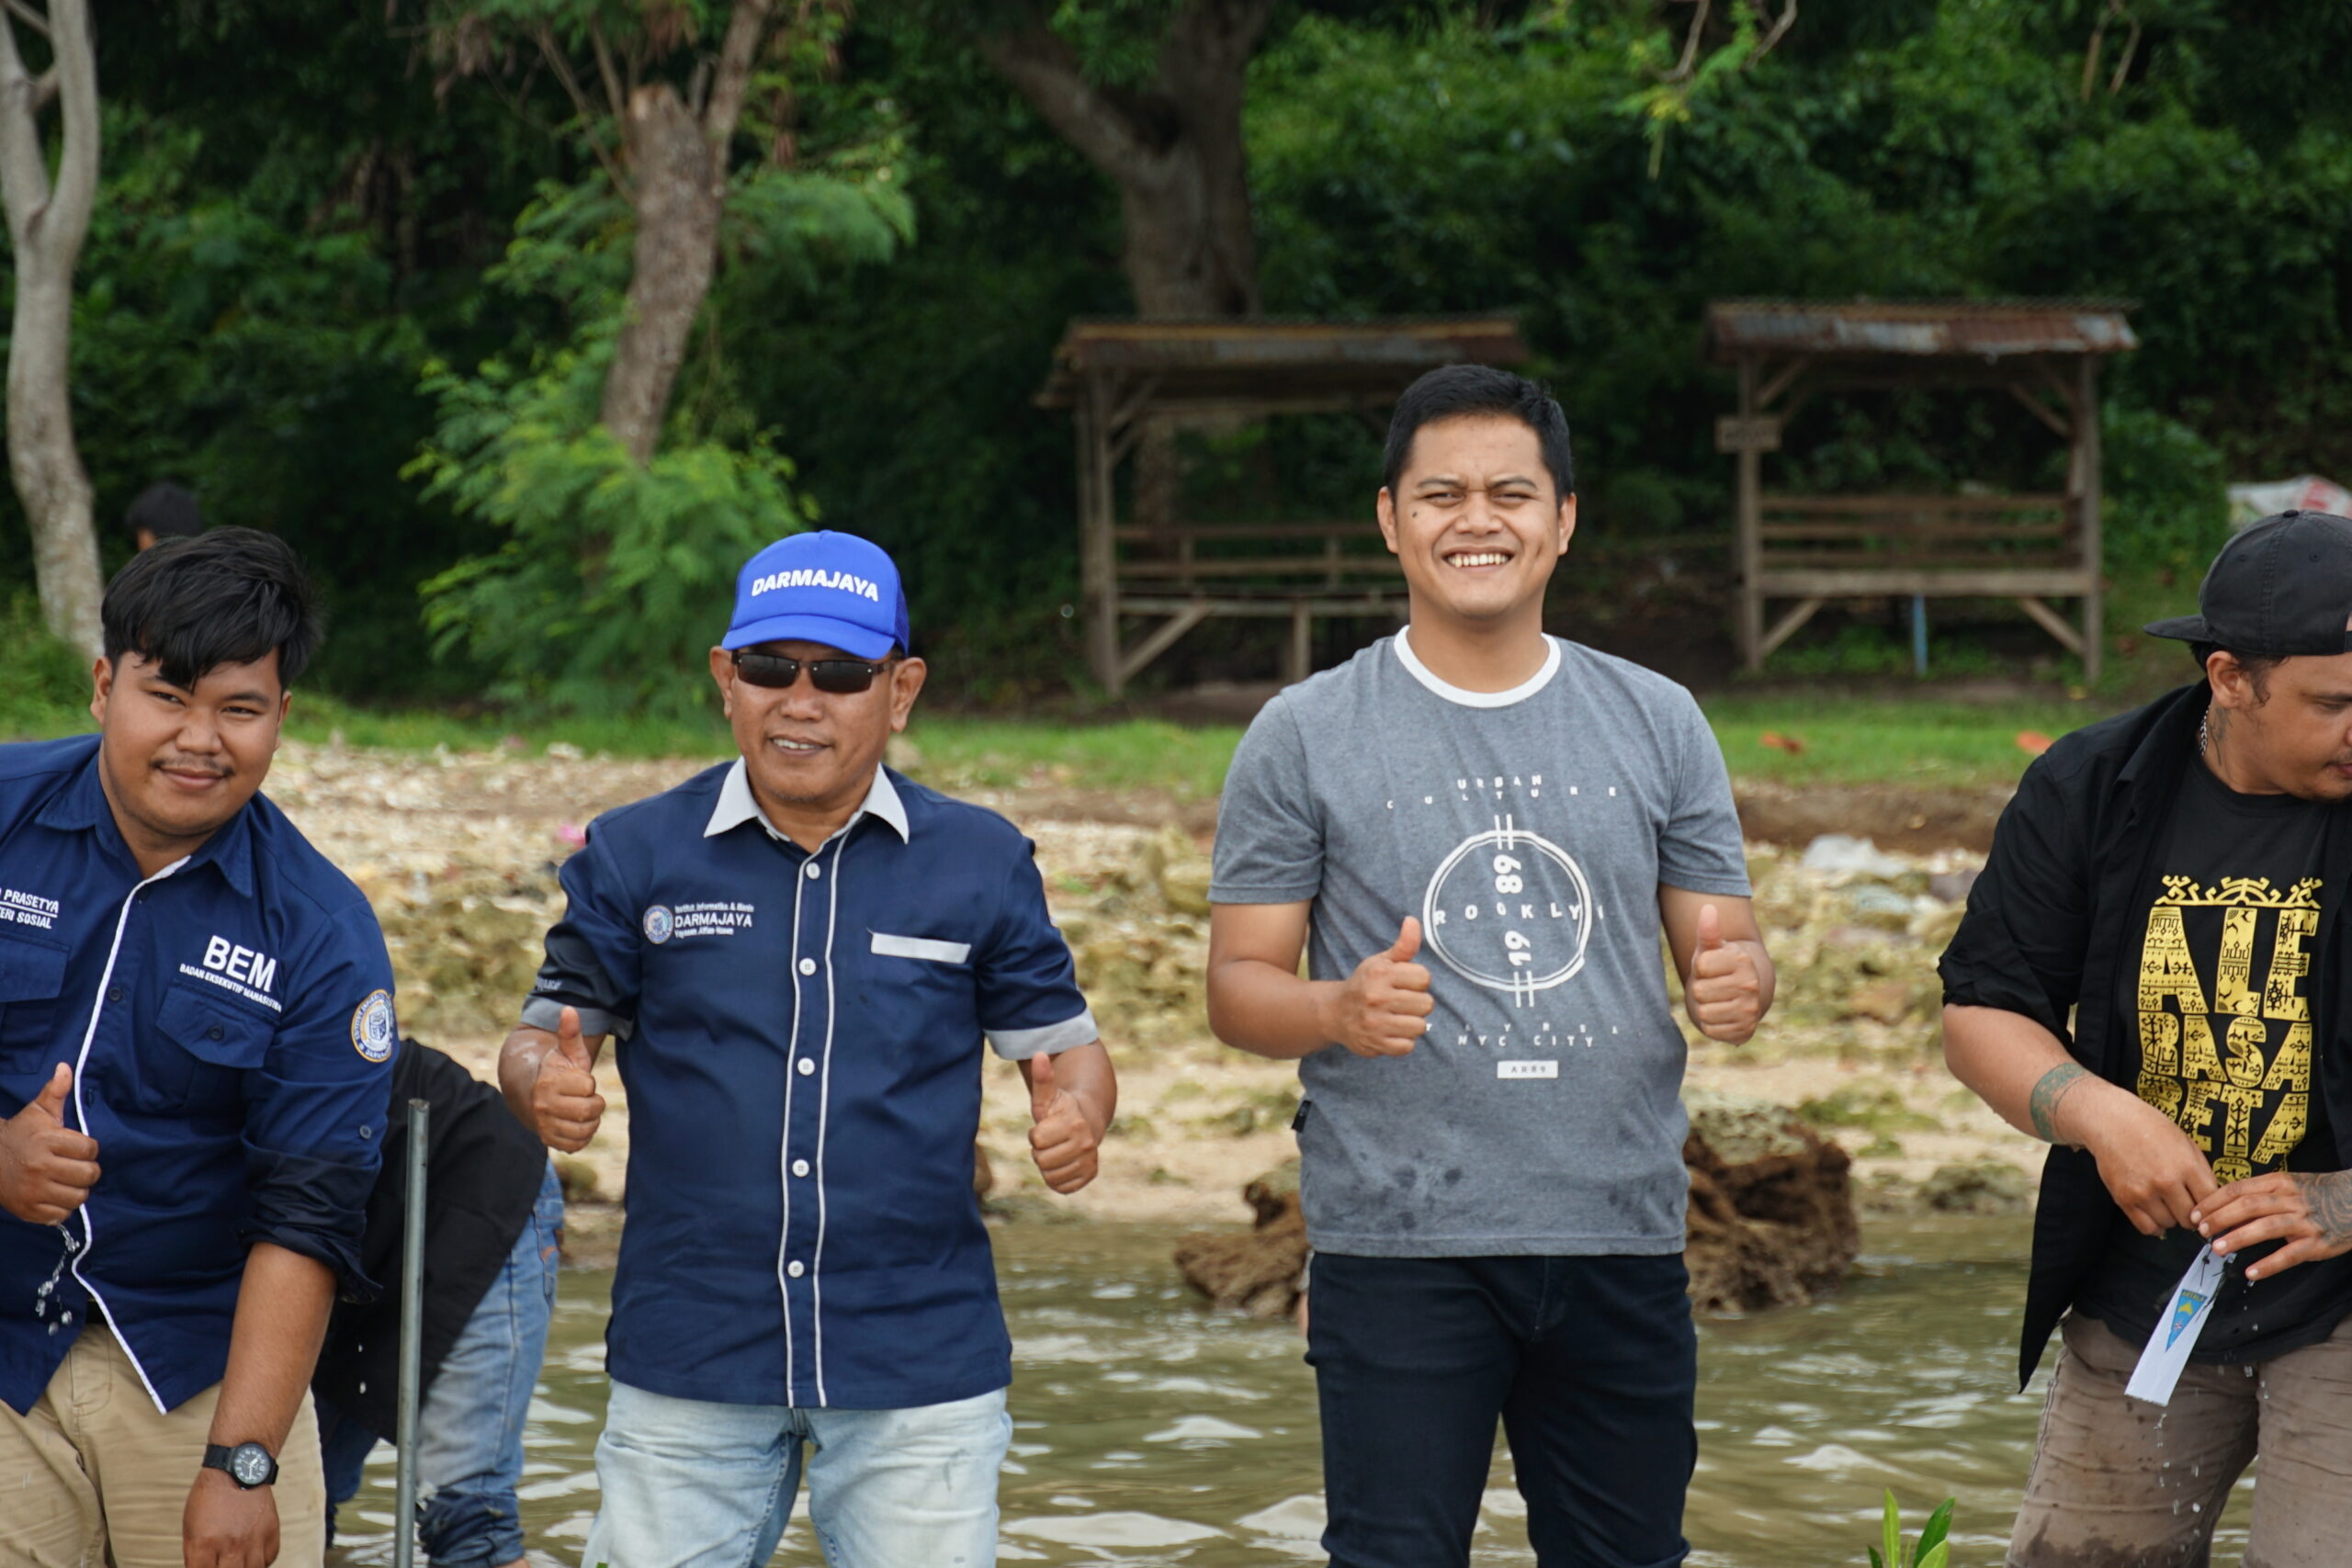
(1097, 548)
(2086, 459)
(1749, 526)
(1298, 659)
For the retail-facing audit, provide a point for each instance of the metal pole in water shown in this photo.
(420, 1115)
(1919, 634)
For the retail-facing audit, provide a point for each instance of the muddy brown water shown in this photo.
(1151, 1430)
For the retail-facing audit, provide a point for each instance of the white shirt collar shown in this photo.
(736, 805)
(1469, 699)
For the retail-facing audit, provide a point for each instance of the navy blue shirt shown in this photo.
(799, 1037)
(229, 1021)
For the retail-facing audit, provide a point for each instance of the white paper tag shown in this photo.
(2176, 1330)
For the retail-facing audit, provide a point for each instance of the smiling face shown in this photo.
(1476, 520)
(2293, 729)
(177, 762)
(813, 754)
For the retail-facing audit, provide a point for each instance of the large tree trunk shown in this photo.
(680, 191)
(678, 175)
(1174, 149)
(46, 225)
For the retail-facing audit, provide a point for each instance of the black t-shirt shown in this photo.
(2214, 1019)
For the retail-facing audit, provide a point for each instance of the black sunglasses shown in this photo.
(778, 670)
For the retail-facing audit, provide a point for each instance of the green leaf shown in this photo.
(1891, 1525)
(1937, 1527)
(1876, 1562)
(1940, 1557)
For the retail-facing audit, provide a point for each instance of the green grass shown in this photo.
(989, 753)
(1923, 740)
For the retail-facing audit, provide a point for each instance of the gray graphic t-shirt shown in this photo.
(1529, 831)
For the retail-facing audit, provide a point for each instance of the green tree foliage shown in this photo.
(613, 576)
(613, 565)
(295, 223)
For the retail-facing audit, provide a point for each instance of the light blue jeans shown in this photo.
(470, 1429)
(690, 1483)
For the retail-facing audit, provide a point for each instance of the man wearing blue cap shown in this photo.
(799, 954)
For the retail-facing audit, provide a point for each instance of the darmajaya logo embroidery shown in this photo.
(817, 576)
(657, 924)
(372, 1033)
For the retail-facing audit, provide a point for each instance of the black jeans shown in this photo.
(1589, 1362)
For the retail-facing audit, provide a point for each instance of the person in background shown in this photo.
(162, 510)
(2145, 980)
(196, 1040)
(1475, 832)
(493, 1230)
(800, 955)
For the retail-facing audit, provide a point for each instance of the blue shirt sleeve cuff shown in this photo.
(1020, 1045)
(546, 1012)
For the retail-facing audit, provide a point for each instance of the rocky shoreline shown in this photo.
(458, 851)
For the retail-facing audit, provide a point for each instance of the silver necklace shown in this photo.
(2201, 729)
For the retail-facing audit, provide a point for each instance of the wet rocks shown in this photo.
(1257, 1271)
(1977, 1187)
(1771, 1218)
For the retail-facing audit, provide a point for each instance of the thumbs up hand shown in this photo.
(1062, 1140)
(1725, 993)
(1382, 1009)
(565, 1106)
(46, 1169)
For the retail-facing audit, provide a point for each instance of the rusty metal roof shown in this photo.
(1295, 363)
(1953, 329)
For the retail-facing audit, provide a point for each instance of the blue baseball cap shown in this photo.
(836, 589)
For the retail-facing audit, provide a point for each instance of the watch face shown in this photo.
(249, 1464)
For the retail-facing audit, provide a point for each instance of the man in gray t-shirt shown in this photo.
(1477, 832)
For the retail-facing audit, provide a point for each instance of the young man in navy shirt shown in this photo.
(195, 1025)
(801, 954)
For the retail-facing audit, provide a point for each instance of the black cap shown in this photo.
(2281, 589)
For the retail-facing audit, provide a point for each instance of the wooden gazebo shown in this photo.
(1811, 549)
(1118, 376)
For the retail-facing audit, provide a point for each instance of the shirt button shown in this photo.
(807, 966)
(793, 1270)
(814, 872)
(113, 993)
(214, 1033)
(807, 1067)
(800, 1167)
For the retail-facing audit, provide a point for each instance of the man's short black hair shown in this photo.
(1458, 391)
(165, 510)
(224, 597)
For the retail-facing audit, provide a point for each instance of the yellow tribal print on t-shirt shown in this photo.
(2234, 1068)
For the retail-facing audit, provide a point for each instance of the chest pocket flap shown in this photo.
(215, 1031)
(30, 970)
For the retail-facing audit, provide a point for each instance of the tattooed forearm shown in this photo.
(2328, 1196)
(2048, 1091)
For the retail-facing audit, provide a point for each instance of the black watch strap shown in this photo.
(247, 1464)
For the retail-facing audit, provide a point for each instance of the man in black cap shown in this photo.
(2146, 980)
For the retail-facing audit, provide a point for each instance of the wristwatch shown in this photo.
(248, 1464)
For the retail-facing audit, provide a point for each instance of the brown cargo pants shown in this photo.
(2120, 1483)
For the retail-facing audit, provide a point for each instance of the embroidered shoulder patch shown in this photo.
(657, 924)
(372, 1033)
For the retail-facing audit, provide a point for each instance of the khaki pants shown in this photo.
(2120, 1483)
(105, 1477)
